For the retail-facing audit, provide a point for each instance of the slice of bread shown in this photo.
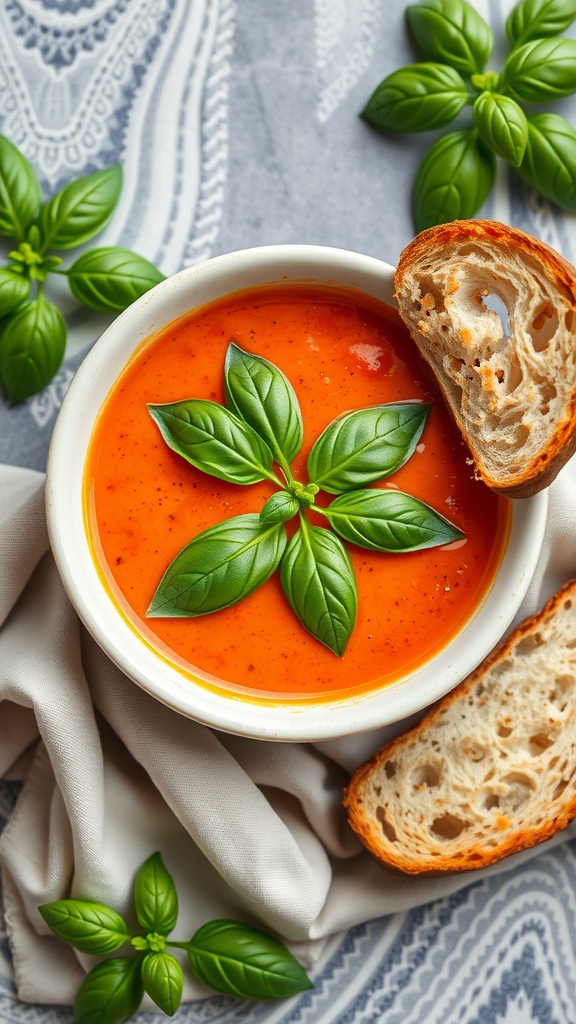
(491, 769)
(511, 386)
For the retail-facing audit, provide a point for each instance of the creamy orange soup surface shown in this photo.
(144, 503)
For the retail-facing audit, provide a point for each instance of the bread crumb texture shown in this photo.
(493, 312)
(491, 769)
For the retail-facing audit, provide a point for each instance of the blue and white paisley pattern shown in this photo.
(124, 82)
(58, 33)
(75, 114)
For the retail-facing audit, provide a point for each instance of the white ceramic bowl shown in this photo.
(271, 719)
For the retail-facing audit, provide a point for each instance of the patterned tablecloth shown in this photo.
(236, 123)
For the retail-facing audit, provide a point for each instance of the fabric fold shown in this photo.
(249, 829)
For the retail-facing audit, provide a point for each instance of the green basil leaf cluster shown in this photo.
(32, 329)
(457, 173)
(227, 956)
(255, 438)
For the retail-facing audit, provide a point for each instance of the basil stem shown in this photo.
(81, 209)
(549, 164)
(241, 961)
(110, 993)
(452, 32)
(32, 346)
(155, 898)
(20, 196)
(163, 980)
(389, 521)
(219, 567)
(88, 926)
(416, 98)
(366, 445)
(453, 180)
(318, 580)
(502, 125)
(536, 19)
(110, 279)
(542, 70)
(214, 440)
(258, 392)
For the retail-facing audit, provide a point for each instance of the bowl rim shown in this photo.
(258, 718)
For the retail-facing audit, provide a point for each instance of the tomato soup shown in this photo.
(144, 503)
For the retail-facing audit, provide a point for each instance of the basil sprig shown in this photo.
(457, 174)
(227, 956)
(243, 444)
(32, 329)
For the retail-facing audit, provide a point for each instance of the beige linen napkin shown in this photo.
(249, 829)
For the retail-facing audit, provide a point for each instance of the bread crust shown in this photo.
(540, 471)
(515, 840)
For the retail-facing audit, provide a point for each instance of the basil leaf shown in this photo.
(542, 70)
(110, 279)
(219, 567)
(163, 980)
(214, 440)
(14, 290)
(241, 961)
(389, 521)
(155, 897)
(318, 580)
(536, 19)
(549, 164)
(90, 927)
(32, 345)
(20, 196)
(260, 394)
(502, 125)
(279, 508)
(366, 445)
(110, 993)
(80, 209)
(417, 98)
(452, 32)
(453, 180)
